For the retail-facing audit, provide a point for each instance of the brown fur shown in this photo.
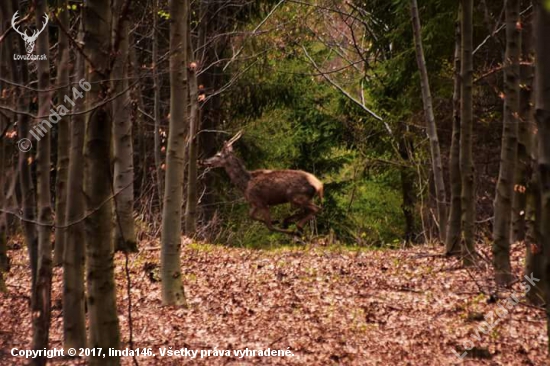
(264, 188)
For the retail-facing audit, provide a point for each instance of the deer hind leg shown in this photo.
(263, 214)
(311, 210)
(308, 210)
(293, 218)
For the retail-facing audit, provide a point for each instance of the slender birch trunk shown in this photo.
(172, 286)
(534, 256)
(4, 122)
(525, 132)
(156, 105)
(74, 319)
(437, 165)
(28, 193)
(4, 262)
(41, 304)
(104, 328)
(542, 117)
(63, 132)
(508, 154)
(452, 245)
(192, 195)
(123, 177)
(466, 135)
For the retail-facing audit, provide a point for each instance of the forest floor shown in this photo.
(326, 305)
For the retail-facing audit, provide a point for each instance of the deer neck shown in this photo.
(237, 173)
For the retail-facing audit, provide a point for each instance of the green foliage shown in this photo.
(163, 14)
(293, 120)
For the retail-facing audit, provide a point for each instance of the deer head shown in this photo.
(29, 40)
(220, 159)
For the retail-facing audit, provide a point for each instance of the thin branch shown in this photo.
(253, 32)
(343, 91)
(496, 31)
(74, 222)
(74, 113)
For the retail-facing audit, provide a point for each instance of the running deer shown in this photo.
(264, 188)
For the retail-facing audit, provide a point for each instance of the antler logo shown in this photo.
(29, 40)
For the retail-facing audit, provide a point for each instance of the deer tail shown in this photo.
(320, 193)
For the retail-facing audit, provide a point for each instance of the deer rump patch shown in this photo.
(267, 188)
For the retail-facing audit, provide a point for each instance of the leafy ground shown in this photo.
(331, 306)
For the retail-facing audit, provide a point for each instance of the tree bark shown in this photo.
(141, 147)
(466, 116)
(63, 131)
(74, 320)
(505, 185)
(28, 194)
(123, 152)
(156, 105)
(452, 245)
(542, 117)
(437, 165)
(172, 286)
(41, 302)
(527, 194)
(525, 133)
(104, 328)
(4, 122)
(192, 196)
(4, 263)
(534, 258)
(407, 175)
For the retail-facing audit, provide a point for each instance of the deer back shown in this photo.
(273, 187)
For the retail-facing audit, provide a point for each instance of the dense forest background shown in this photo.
(427, 122)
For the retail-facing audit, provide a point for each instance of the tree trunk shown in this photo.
(525, 133)
(156, 106)
(437, 165)
(452, 245)
(122, 138)
(104, 329)
(74, 320)
(172, 286)
(42, 298)
(4, 264)
(534, 258)
(4, 122)
(527, 194)
(63, 131)
(505, 185)
(141, 150)
(466, 158)
(192, 196)
(28, 201)
(542, 117)
(407, 183)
